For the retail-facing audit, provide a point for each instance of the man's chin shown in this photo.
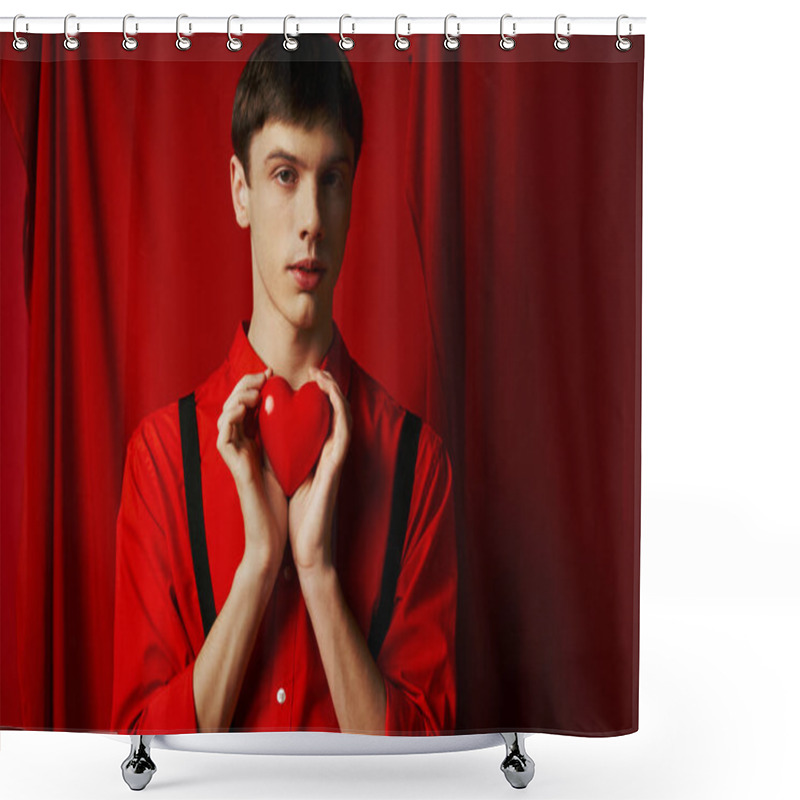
(307, 314)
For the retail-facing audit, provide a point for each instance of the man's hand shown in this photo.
(312, 505)
(263, 502)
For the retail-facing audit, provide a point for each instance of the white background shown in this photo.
(720, 443)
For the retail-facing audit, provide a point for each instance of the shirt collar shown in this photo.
(244, 360)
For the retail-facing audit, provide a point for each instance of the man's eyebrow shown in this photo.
(283, 155)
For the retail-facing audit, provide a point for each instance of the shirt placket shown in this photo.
(281, 698)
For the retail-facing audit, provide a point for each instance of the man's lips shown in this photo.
(307, 273)
(308, 265)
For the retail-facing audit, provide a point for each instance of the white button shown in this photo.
(287, 573)
(281, 696)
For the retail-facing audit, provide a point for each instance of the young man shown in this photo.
(287, 639)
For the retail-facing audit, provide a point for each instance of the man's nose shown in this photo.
(310, 212)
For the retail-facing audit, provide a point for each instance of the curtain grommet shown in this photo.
(507, 42)
(233, 44)
(70, 42)
(401, 42)
(345, 42)
(561, 43)
(182, 42)
(129, 42)
(622, 44)
(451, 42)
(289, 42)
(20, 43)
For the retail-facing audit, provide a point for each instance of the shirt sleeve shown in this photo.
(417, 659)
(153, 656)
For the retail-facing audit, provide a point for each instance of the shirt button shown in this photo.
(287, 573)
(281, 696)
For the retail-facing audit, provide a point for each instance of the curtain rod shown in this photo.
(629, 26)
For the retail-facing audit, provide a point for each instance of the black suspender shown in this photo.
(398, 521)
(193, 486)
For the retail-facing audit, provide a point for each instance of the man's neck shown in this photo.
(289, 351)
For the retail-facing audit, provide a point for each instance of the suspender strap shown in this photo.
(190, 446)
(401, 503)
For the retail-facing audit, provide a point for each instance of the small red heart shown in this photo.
(294, 427)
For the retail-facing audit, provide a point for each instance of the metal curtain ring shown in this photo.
(623, 45)
(129, 42)
(182, 43)
(400, 42)
(345, 42)
(561, 43)
(289, 43)
(233, 44)
(507, 42)
(19, 42)
(70, 42)
(451, 42)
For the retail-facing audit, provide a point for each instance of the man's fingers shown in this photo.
(328, 384)
(247, 383)
(255, 379)
(341, 437)
(324, 380)
(247, 396)
(342, 421)
(229, 418)
(243, 398)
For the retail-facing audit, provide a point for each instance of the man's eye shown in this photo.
(285, 176)
(332, 179)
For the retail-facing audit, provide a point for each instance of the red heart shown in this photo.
(293, 426)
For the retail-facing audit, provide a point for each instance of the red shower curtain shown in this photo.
(491, 283)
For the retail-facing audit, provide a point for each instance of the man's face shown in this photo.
(297, 207)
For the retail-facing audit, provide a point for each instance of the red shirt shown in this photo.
(158, 627)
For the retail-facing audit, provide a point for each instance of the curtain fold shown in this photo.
(495, 245)
(13, 373)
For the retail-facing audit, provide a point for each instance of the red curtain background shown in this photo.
(492, 282)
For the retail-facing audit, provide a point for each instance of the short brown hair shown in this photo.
(312, 85)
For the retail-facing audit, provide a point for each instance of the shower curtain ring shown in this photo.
(182, 43)
(451, 42)
(623, 45)
(289, 42)
(70, 42)
(233, 43)
(400, 42)
(129, 42)
(561, 43)
(507, 42)
(345, 42)
(19, 42)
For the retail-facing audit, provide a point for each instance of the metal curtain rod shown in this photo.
(632, 26)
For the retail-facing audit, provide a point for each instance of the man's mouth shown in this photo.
(307, 274)
(308, 265)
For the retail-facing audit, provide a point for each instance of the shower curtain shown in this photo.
(490, 285)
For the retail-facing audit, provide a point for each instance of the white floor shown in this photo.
(720, 699)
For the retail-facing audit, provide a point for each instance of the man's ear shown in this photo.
(240, 193)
